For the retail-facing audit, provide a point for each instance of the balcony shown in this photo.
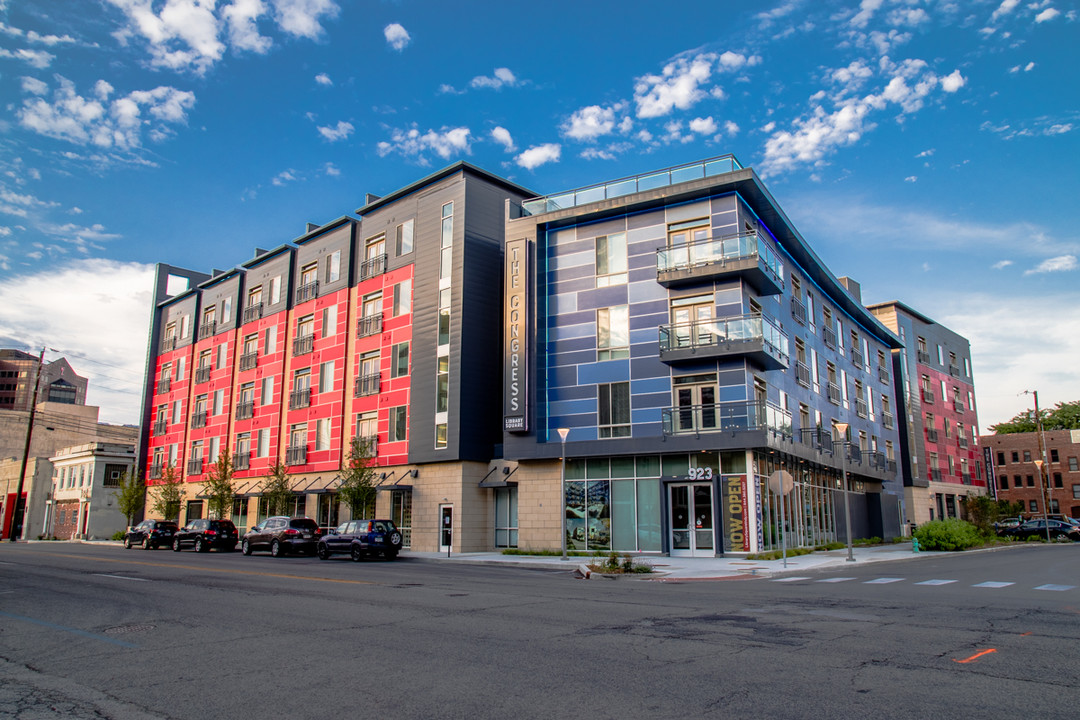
(958, 406)
(890, 465)
(753, 336)
(965, 478)
(833, 392)
(155, 471)
(875, 460)
(253, 312)
(308, 291)
(628, 186)
(369, 444)
(168, 344)
(932, 434)
(296, 455)
(373, 266)
(935, 475)
(802, 374)
(245, 410)
(303, 345)
(726, 417)
(962, 442)
(198, 419)
(195, 466)
(202, 374)
(922, 356)
(928, 395)
(207, 329)
(954, 370)
(854, 454)
(241, 460)
(829, 334)
(248, 361)
(164, 384)
(857, 359)
(798, 310)
(369, 325)
(860, 408)
(746, 255)
(887, 420)
(883, 374)
(366, 385)
(160, 427)
(299, 399)
(817, 438)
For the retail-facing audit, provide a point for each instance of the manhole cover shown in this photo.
(121, 629)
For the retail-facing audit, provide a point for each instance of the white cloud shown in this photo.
(867, 8)
(283, 177)
(502, 136)
(678, 86)
(323, 79)
(1062, 263)
(731, 128)
(703, 126)
(241, 17)
(1006, 7)
(397, 36)
(1047, 14)
(596, 154)
(953, 82)
(412, 143)
(331, 170)
(538, 155)
(303, 18)
(34, 86)
(589, 123)
(767, 18)
(926, 153)
(911, 178)
(1001, 264)
(732, 61)
(34, 58)
(852, 76)
(338, 132)
(908, 16)
(502, 77)
(70, 308)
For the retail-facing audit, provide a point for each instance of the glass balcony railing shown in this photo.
(726, 417)
(722, 252)
(627, 186)
(726, 335)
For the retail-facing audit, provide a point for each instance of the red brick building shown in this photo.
(1015, 476)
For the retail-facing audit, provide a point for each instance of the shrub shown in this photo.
(119, 535)
(950, 534)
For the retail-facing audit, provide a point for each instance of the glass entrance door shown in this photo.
(691, 520)
(446, 527)
(690, 326)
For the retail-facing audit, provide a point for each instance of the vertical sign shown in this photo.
(516, 349)
(736, 536)
(991, 475)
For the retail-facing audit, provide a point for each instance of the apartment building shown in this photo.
(676, 341)
(939, 432)
(382, 326)
(19, 374)
(1017, 471)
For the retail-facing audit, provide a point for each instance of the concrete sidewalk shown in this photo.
(679, 568)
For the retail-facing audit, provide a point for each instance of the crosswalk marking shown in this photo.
(835, 579)
(883, 581)
(1057, 588)
(990, 584)
(789, 579)
(993, 584)
(935, 582)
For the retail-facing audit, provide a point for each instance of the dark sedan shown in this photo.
(203, 534)
(150, 534)
(361, 538)
(1037, 529)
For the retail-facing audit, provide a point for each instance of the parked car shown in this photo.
(360, 539)
(203, 534)
(1035, 529)
(282, 535)
(1005, 523)
(150, 534)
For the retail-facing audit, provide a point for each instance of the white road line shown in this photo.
(993, 584)
(935, 582)
(122, 577)
(1056, 588)
(835, 579)
(789, 579)
(882, 581)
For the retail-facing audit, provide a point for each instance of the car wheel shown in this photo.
(276, 549)
(395, 539)
(176, 544)
(245, 548)
(357, 553)
(323, 552)
(146, 544)
(127, 543)
(200, 546)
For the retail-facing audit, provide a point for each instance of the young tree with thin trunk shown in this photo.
(131, 495)
(357, 479)
(277, 490)
(168, 494)
(218, 487)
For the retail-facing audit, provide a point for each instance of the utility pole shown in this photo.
(1046, 496)
(26, 451)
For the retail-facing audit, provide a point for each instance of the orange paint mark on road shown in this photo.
(975, 657)
(1027, 633)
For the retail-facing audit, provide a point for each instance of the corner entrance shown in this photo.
(446, 527)
(691, 521)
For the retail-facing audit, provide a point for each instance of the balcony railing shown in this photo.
(954, 370)
(890, 465)
(860, 408)
(198, 419)
(802, 374)
(745, 255)
(248, 361)
(373, 266)
(817, 438)
(366, 385)
(253, 312)
(887, 420)
(156, 470)
(958, 406)
(207, 329)
(369, 325)
(164, 384)
(830, 336)
(883, 374)
(798, 310)
(965, 478)
(962, 442)
(299, 399)
(202, 374)
(875, 460)
(629, 185)
(922, 356)
(303, 344)
(296, 455)
(195, 466)
(160, 427)
(726, 417)
(370, 443)
(857, 358)
(928, 395)
(168, 344)
(935, 475)
(932, 434)
(753, 335)
(307, 291)
(245, 410)
(241, 460)
(833, 392)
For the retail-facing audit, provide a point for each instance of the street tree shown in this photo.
(357, 479)
(168, 495)
(1063, 416)
(131, 495)
(277, 491)
(218, 487)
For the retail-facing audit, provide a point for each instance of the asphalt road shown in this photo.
(92, 632)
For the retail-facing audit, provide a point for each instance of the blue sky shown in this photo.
(926, 148)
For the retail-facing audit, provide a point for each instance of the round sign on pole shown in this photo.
(781, 482)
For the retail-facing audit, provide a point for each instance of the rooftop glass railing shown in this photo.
(630, 185)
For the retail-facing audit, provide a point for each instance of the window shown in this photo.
(442, 385)
(611, 264)
(226, 310)
(399, 360)
(402, 298)
(1003, 482)
(405, 238)
(333, 267)
(444, 317)
(270, 340)
(251, 344)
(1031, 481)
(221, 350)
(398, 424)
(254, 296)
(367, 428)
(329, 321)
(322, 434)
(309, 274)
(1018, 481)
(1000, 458)
(298, 436)
(446, 242)
(180, 368)
(176, 406)
(1033, 506)
(1058, 481)
(305, 326)
(1015, 456)
(262, 443)
(1054, 455)
(219, 401)
(1076, 492)
(1027, 456)
(267, 394)
(1073, 466)
(326, 377)
(613, 332)
(613, 410)
(184, 322)
(275, 290)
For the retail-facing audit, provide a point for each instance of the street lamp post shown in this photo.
(842, 428)
(563, 432)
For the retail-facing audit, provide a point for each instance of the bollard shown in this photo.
(914, 544)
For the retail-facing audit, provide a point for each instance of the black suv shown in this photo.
(203, 534)
(282, 535)
(360, 538)
(150, 534)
